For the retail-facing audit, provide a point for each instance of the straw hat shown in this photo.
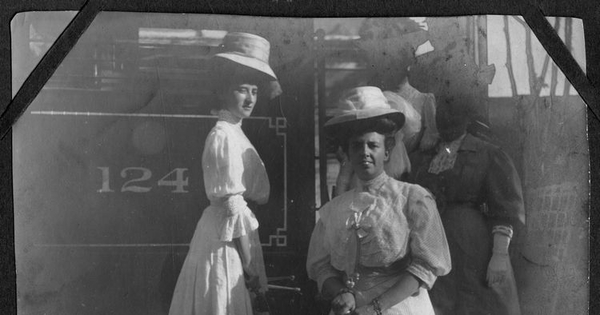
(251, 51)
(362, 103)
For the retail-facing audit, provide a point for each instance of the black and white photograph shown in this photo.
(195, 163)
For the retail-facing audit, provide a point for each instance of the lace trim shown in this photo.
(446, 156)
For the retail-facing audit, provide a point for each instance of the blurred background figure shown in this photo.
(479, 196)
(392, 47)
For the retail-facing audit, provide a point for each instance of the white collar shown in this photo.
(227, 116)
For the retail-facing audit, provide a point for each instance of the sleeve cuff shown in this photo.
(238, 219)
(503, 229)
(426, 277)
(234, 204)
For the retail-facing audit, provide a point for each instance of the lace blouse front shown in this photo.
(394, 219)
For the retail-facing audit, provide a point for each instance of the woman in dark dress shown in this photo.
(479, 196)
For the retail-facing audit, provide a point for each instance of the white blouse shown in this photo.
(233, 172)
(396, 219)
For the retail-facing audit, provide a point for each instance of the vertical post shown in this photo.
(568, 43)
(481, 35)
(8, 285)
(482, 57)
(322, 115)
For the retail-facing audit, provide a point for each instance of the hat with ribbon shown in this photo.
(251, 51)
(362, 103)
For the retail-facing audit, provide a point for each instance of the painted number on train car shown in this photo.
(139, 180)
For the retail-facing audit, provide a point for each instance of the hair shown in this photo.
(224, 73)
(382, 125)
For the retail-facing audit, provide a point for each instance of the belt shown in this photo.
(366, 278)
(396, 267)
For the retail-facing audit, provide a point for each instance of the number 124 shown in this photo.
(138, 175)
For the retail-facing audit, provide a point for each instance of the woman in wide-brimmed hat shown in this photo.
(379, 247)
(391, 46)
(225, 263)
(398, 164)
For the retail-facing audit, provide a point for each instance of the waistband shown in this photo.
(370, 277)
(396, 267)
(470, 205)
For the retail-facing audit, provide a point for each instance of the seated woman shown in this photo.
(379, 247)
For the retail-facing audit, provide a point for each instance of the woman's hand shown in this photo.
(343, 303)
(252, 281)
(499, 264)
(497, 271)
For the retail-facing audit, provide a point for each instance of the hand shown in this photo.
(497, 271)
(343, 304)
(252, 282)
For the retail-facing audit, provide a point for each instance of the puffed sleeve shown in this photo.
(504, 191)
(222, 166)
(427, 241)
(223, 169)
(318, 261)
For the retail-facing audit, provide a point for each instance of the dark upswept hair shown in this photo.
(342, 133)
(223, 73)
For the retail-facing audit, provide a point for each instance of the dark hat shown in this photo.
(251, 51)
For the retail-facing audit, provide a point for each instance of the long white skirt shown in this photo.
(211, 281)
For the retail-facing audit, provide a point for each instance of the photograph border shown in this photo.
(587, 84)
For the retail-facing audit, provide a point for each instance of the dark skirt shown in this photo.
(464, 291)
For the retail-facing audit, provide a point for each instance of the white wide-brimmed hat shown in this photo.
(361, 103)
(251, 51)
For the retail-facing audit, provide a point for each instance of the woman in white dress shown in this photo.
(224, 266)
(379, 247)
